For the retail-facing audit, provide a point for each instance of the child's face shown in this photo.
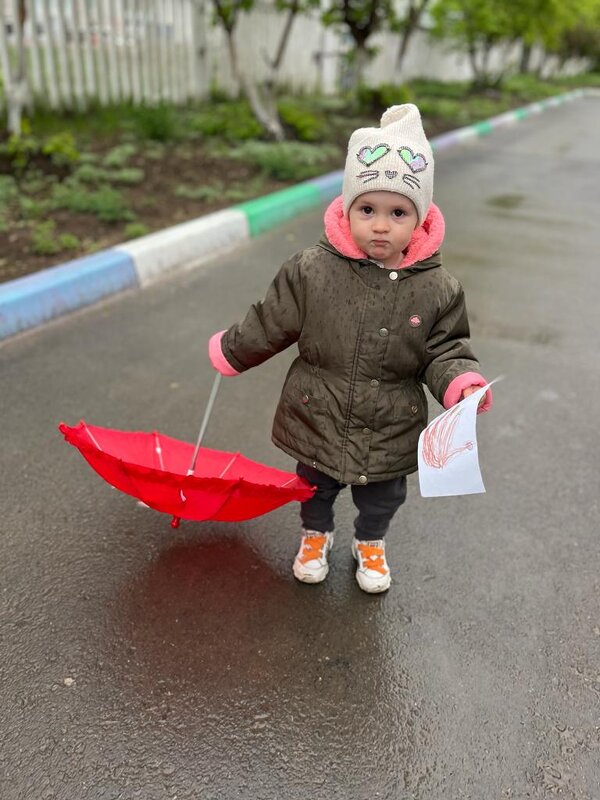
(381, 224)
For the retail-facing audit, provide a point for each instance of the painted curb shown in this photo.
(189, 244)
(35, 299)
(30, 301)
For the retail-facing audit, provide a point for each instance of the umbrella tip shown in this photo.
(175, 522)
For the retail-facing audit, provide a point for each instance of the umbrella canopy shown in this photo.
(154, 468)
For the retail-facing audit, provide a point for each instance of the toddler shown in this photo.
(375, 316)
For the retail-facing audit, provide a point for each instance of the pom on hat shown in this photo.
(395, 157)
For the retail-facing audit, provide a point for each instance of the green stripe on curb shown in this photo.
(483, 128)
(521, 113)
(266, 212)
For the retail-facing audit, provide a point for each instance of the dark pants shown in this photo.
(376, 503)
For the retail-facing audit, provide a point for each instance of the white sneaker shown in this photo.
(372, 572)
(311, 564)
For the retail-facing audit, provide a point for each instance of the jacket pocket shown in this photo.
(302, 411)
(409, 418)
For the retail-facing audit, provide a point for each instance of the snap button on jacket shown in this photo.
(361, 362)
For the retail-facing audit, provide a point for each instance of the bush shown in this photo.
(129, 176)
(203, 193)
(119, 156)
(210, 194)
(528, 87)
(451, 90)
(8, 191)
(158, 123)
(32, 209)
(135, 229)
(378, 98)
(45, 241)
(20, 150)
(451, 111)
(61, 149)
(287, 160)
(233, 121)
(88, 173)
(106, 203)
(302, 120)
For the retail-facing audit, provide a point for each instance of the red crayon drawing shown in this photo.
(437, 441)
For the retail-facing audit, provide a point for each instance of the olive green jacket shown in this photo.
(353, 404)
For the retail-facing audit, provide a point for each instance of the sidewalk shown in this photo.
(31, 301)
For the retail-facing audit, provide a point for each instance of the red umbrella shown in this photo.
(156, 469)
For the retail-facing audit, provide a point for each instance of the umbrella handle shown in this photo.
(207, 413)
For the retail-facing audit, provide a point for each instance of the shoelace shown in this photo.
(373, 558)
(313, 548)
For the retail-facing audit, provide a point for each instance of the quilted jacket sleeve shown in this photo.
(448, 349)
(271, 324)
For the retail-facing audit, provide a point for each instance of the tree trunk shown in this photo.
(361, 59)
(413, 17)
(525, 63)
(266, 117)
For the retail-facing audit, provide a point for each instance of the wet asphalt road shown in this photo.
(141, 662)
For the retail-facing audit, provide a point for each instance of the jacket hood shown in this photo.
(425, 241)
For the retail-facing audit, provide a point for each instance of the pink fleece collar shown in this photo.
(425, 241)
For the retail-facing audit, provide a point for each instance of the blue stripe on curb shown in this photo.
(329, 185)
(34, 299)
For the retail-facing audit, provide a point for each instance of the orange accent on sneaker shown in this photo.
(373, 558)
(313, 548)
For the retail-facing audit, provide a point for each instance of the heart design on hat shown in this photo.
(368, 155)
(415, 161)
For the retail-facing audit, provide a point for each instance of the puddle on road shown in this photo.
(506, 201)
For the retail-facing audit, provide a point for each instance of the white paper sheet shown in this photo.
(448, 456)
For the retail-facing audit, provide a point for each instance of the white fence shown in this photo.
(152, 50)
(106, 50)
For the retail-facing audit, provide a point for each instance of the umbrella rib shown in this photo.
(158, 450)
(293, 478)
(233, 460)
(89, 433)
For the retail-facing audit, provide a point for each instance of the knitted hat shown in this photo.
(394, 158)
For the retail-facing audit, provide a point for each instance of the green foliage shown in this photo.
(135, 229)
(231, 121)
(453, 111)
(88, 173)
(362, 17)
(20, 150)
(307, 124)
(32, 209)
(158, 123)
(129, 176)
(287, 160)
(225, 12)
(219, 191)
(528, 87)
(46, 242)
(427, 87)
(8, 191)
(378, 98)
(105, 202)
(119, 155)
(61, 149)
(217, 94)
(202, 193)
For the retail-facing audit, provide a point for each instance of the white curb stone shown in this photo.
(186, 245)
